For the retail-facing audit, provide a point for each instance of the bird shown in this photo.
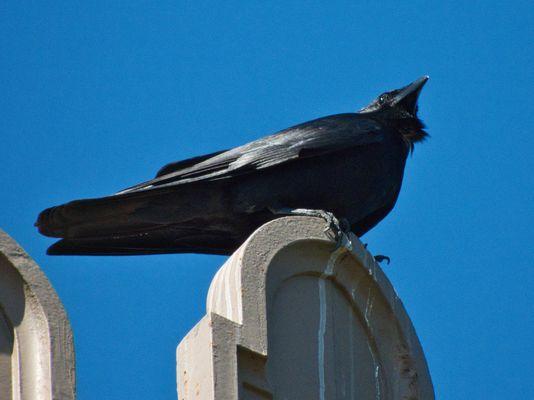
(345, 167)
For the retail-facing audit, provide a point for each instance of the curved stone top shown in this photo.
(258, 288)
(231, 283)
(40, 345)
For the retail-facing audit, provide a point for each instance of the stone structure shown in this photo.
(290, 317)
(36, 347)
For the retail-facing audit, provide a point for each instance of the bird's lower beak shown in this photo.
(408, 95)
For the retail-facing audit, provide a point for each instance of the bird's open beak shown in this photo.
(408, 95)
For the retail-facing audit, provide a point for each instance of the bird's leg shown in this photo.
(338, 227)
(379, 258)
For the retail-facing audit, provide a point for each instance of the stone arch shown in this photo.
(36, 346)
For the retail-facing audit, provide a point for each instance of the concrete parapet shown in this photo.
(290, 317)
(36, 346)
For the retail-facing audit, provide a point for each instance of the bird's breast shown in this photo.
(351, 183)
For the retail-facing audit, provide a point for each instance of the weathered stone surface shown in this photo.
(36, 346)
(290, 317)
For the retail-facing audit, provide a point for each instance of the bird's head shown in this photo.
(398, 109)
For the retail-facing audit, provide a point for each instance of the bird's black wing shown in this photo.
(183, 164)
(324, 135)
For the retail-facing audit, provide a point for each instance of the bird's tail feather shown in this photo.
(192, 220)
(125, 214)
(145, 243)
(86, 218)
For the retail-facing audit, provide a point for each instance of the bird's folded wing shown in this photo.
(183, 164)
(324, 135)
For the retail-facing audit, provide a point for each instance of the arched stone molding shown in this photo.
(290, 317)
(36, 345)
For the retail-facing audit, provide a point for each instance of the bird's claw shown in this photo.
(380, 258)
(333, 225)
(336, 228)
(339, 230)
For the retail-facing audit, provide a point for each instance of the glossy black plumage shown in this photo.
(348, 164)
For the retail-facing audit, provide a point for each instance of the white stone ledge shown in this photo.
(288, 317)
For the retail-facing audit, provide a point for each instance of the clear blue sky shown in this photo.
(96, 97)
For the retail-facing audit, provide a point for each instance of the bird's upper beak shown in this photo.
(408, 95)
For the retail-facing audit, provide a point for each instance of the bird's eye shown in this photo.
(381, 99)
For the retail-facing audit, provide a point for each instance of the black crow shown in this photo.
(348, 165)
